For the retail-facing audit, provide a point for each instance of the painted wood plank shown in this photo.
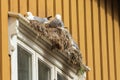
(81, 22)
(41, 8)
(89, 46)
(5, 59)
(116, 39)
(13, 5)
(58, 7)
(0, 45)
(74, 25)
(103, 41)
(22, 6)
(110, 41)
(66, 14)
(32, 6)
(96, 41)
(50, 8)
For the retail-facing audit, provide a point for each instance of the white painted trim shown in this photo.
(14, 65)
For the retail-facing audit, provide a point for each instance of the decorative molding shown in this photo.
(12, 34)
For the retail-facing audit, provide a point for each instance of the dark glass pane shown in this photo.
(24, 65)
(43, 71)
(60, 77)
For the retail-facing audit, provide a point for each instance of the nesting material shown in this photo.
(54, 31)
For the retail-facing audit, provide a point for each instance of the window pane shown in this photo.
(60, 77)
(43, 71)
(24, 65)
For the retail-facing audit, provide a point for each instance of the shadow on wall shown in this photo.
(111, 8)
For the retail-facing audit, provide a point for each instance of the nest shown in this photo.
(61, 40)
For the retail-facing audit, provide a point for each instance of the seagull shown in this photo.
(57, 21)
(30, 16)
(74, 45)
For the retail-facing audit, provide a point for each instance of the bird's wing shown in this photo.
(41, 20)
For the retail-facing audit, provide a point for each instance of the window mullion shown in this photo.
(55, 73)
(34, 71)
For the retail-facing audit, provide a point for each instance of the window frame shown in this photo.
(35, 58)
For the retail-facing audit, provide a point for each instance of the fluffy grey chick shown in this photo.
(30, 16)
(56, 22)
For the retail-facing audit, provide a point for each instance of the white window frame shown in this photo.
(35, 58)
(14, 61)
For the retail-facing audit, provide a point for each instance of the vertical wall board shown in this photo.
(110, 41)
(0, 45)
(41, 8)
(23, 6)
(50, 8)
(96, 41)
(58, 5)
(32, 6)
(74, 26)
(66, 14)
(81, 22)
(89, 39)
(13, 5)
(116, 40)
(4, 60)
(103, 36)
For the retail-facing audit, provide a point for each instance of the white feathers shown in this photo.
(58, 16)
(41, 20)
(29, 16)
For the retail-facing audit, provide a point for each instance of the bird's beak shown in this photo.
(25, 15)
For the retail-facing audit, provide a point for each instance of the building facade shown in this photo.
(94, 24)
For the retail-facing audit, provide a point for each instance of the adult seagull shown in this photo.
(30, 16)
(57, 21)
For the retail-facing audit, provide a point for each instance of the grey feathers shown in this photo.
(41, 20)
(56, 23)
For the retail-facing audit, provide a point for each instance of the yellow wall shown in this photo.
(4, 58)
(94, 24)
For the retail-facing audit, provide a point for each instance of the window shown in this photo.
(32, 66)
(60, 77)
(24, 65)
(44, 72)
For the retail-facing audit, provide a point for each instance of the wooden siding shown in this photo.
(4, 57)
(94, 24)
